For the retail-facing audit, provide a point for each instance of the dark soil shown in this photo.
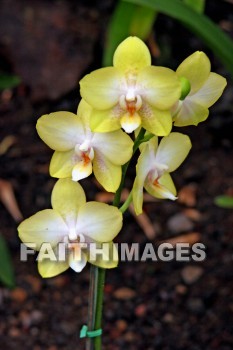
(148, 305)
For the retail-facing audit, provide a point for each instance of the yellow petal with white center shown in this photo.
(61, 131)
(102, 88)
(210, 91)
(131, 56)
(61, 164)
(164, 189)
(107, 173)
(67, 197)
(81, 170)
(153, 143)
(130, 122)
(45, 226)
(116, 146)
(104, 255)
(106, 121)
(48, 268)
(159, 86)
(195, 68)
(84, 113)
(173, 150)
(190, 113)
(77, 262)
(142, 169)
(98, 221)
(156, 121)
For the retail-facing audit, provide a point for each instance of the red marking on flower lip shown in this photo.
(85, 158)
(131, 108)
(156, 182)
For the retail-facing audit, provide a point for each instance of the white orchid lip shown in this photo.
(131, 103)
(130, 122)
(158, 170)
(85, 153)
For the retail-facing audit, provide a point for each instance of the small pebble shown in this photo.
(124, 293)
(179, 223)
(181, 289)
(188, 195)
(140, 310)
(168, 318)
(121, 325)
(196, 305)
(191, 274)
(19, 294)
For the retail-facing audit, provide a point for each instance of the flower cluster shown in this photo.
(135, 96)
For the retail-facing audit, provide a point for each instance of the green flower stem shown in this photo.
(126, 204)
(92, 305)
(137, 142)
(97, 275)
(99, 306)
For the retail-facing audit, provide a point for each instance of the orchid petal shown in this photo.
(107, 120)
(158, 86)
(101, 89)
(107, 173)
(61, 164)
(48, 268)
(108, 257)
(164, 189)
(95, 220)
(67, 197)
(173, 150)
(156, 121)
(142, 169)
(131, 56)
(45, 226)
(60, 130)
(210, 91)
(116, 146)
(84, 112)
(190, 113)
(195, 68)
(81, 170)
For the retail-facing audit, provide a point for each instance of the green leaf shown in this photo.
(224, 201)
(142, 22)
(8, 81)
(127, 19)
(201, 25)
(6, 267)
(196, 5)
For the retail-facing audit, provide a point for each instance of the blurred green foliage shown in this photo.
(196, 5)
(136, 17)
(127, 19)
(8, 81)
(6, 267)
(224, 201)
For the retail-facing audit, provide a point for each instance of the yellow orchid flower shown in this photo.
(74, 222)
(132, 93)
(78, 151)
(203, 89)
(154, 165)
